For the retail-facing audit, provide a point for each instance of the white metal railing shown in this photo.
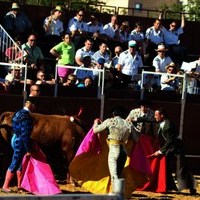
(101, 76)
(10, 50)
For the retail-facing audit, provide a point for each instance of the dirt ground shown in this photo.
(184, 195)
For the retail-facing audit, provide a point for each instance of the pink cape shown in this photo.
(37, 176)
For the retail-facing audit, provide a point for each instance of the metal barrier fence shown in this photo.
(9, 49)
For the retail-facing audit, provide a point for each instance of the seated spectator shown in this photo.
(104, 53)
(161, 60)
(169, 83)
(34, 91)
(138, 36)
(53, 27)
(16, 22)
(172, 40)
(78, 29)
(34, 57)
(124, 33)
(81, 74)
(64, 53)
(71, 81)
(115, 59)
(84, 51)
(87, 82)
(41, 79)
(5, 86)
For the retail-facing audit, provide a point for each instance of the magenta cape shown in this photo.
(37, 176)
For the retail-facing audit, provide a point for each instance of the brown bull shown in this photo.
(49, 130)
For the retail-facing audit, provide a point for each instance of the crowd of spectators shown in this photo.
(121, 50)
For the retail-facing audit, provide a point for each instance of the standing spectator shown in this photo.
(84, 51)
(172, 147)
(172, 40)
(77, 28)
(124, 33)
(34, 91)
(119, 133)
(65, 54)
(22, 125)
(53, 27)
(154, 36)
(115, 59)
(16, 22)
(169, 83)
(129, 63)
(34, 57)
(161, 60)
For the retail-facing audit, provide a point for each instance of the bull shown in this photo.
(57, 135)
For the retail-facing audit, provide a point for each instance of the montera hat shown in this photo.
(15, 6)
(101, 61)
(161, 48)
(31, 100)
(132, 43)
(58, 8)
(172, 64)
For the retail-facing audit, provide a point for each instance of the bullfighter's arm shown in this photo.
(100, 127)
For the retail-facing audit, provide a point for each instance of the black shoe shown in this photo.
(193, 191)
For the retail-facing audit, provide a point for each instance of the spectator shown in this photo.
(124, 33)
(84, 51)
(118, 135)
(128, 65)
(53, 27)
(138, 36)
(71, 81)
(5, 86)
(81, 74)
(102, 53)
(16, 22)
(161, 60)
(169, 83)
(77, 28)
(34, 57)
(172, 41)
(153, 36)
(115, 59)
(87, 82)
(143, 111)
(41, 79)
(172, 147)
(34, 91)
(65, 54)
(22, 125)
(112, 29)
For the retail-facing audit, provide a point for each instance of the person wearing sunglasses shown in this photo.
(172, 39)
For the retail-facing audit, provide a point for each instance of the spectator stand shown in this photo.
(101, 77)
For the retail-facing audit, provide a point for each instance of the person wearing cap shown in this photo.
(84, 51)
(6, 85)
(16, 22)
(169, 83)
(22, 125)
(119, 131)
(161, 60)
(145, 111)
(129, 63)
(53, 27)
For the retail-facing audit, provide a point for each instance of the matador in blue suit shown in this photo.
(22, 124)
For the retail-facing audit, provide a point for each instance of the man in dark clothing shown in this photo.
(172, 147)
